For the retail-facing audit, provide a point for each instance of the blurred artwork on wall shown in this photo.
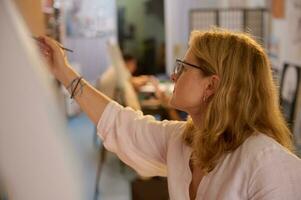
(290, 80)
(297, 119)
(278, 9)
(294, 28)
(297, 115)
(290, 98)
(89, 18)
(274, 51)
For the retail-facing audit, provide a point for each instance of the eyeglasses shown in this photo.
(179, 66)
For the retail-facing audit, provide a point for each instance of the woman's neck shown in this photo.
(197, 115)
(197, 118)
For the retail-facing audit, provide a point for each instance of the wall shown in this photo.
(177, 22)
(134, 14)
(147, 25)
(90, 53)
(89, 56)
(284, 45)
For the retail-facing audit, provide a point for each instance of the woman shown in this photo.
(236, 144)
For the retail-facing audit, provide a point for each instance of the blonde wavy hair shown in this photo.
(245, 103)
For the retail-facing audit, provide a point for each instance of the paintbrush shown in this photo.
(66, 49)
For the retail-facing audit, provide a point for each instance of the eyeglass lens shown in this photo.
(178, 68)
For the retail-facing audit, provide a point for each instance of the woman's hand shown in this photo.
(92, 102)
(54, 55)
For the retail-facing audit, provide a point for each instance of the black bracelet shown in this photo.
(73, 86)
(74, 89)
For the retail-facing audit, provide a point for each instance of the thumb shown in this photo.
(54, 45)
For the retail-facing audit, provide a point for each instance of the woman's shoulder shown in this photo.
(260, 149)
(272, 171)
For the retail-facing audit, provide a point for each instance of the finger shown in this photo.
(44, 47)
(55, 47)
(56, 43)
(61, 48)
(40, 38)
(51, 43)
(46, 53)
(41, 43)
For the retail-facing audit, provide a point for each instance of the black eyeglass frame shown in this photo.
(191, 65)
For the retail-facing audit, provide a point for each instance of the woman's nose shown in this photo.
(173, 77)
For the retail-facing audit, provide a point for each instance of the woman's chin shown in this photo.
(173, 104)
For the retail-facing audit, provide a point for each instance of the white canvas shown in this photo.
(36, 158)
(123, 77)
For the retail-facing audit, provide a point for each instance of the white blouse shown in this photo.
(259, 169)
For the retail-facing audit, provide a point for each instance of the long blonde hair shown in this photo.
(245, 103)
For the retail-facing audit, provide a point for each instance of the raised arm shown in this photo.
(138, 140)
(91, 101)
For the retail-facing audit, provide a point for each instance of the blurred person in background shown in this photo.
(132, 66)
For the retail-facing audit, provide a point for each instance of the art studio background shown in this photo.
(153, 33)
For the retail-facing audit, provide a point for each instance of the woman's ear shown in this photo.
(213, 84)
